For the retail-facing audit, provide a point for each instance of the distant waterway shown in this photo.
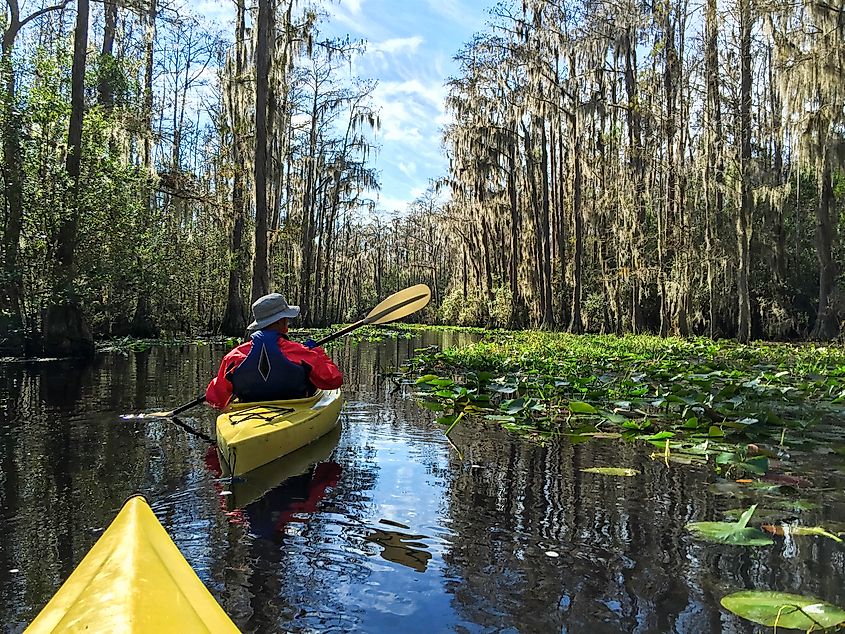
(385, 525)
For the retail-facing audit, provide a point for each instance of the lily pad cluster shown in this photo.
(716, 402)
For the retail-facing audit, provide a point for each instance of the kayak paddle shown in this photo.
(401, 304)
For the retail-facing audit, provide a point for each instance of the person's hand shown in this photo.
(309, 343)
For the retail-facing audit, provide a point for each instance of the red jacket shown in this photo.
(322, 372)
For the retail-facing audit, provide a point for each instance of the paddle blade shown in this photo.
(399, 305)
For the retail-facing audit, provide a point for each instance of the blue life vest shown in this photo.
(267, 374)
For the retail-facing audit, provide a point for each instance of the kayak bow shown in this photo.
(134, 579)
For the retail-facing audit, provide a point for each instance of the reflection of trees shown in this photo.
(625, 562)
(67, 462)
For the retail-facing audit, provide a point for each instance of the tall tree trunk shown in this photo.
(234, 315)
(260, 262)
(576, 325)
(548, 318)
(746, 209)
(105, 91)
(11, 282)
(142, 324)
(516, 230)
(65, 329)
(636, 167)
(713, 195)
(308, 208)
(827, 325)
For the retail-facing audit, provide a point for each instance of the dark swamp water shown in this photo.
(392, 528)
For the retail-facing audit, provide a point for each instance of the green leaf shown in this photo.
(661, 435)
(757, 465)
(426, 378)
(616, 419)
(782, 610)
(612, 471)
(515, 406)
(735, 534)
(715, 432)
(580, 407)
(500, 419)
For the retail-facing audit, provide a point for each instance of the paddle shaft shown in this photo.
(182, 408)
(343, 331)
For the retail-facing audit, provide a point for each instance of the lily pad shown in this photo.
(612, 471)
(734, 534)
(580, 407)
(783, 610)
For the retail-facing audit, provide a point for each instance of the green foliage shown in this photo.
(698, 401)
(784, 611)
(731, 533)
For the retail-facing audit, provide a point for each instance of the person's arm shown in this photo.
(219, 390)
(323, 373)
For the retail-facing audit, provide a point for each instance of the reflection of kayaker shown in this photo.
(300, 495)
(267, 515)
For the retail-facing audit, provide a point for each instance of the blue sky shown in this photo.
(410, 45)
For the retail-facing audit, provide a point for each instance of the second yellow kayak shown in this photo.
(134, 579)
(250, 435)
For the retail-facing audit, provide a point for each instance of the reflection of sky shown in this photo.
(343, 569)
(410, 49)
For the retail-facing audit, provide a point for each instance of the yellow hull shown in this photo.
(134, 579)
(250, 435)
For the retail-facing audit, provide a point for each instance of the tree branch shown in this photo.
(40, 12)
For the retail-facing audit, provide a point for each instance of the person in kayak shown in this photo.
(270, 366)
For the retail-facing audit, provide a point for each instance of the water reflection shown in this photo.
(401, 548)
(381, 525)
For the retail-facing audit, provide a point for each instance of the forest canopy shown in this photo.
(614, 166)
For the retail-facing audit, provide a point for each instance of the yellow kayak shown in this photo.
(252, 434)
(134, 579)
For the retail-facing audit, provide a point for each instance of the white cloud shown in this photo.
(396, 45)
(353, 6)
(390, 203)
(348, 13)
(455, 12)
(408, 169)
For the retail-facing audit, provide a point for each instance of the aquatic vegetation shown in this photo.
(732, 533)
(131, 344)
(790, 529)
(782, 610)
(737, 407)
